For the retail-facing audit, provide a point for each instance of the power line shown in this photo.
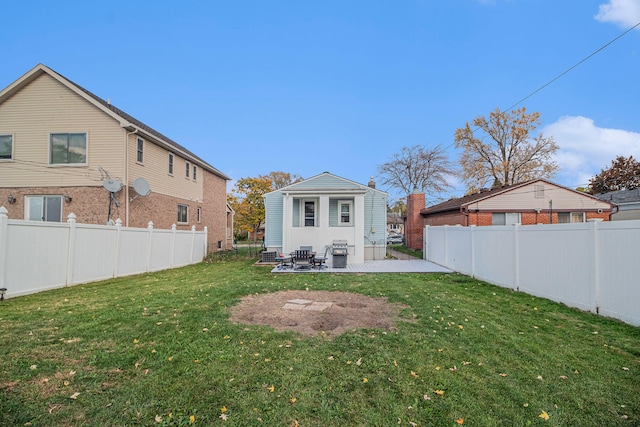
(574, 66)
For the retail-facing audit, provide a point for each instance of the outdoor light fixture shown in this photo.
(67, 198)
(2, 292)
(11, 199)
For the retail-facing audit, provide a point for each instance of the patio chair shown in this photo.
(319, 261)
(301, 260)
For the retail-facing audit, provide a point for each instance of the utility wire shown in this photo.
(574, 66)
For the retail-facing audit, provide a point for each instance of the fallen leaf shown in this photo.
(544, 416)
(624, 368)
(365, 380)
(540, 377)
(135, 340)
(460, 421)
(223, 409)
(158, 419)
(205, 329)
(426, 397)
(330, 358)
(271, 389)
(294, 399)
(439, 392)
(503, 375)
(192, 419)
(563, 377)
(359, 362)
(395, 363)
(414, 375)
(33, 367)
(74, 395)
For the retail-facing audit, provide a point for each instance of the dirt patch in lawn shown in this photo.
(316, 312)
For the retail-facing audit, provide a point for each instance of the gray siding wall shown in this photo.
(375, 218)
(273, 220)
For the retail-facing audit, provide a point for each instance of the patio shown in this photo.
(414, 265)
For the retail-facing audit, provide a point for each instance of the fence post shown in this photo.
(116, 255)
(425, 243)
(173, 243)
(206, 241)
(150, 228)
(473, 249)
(446, 246)
(4, 218)
(71, 220)
(193, 242)
(595, 239)
(516, 250)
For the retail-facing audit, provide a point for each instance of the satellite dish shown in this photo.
(141, 186)
(112, 185)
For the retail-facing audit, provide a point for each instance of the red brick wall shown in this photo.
(485, 218)
(414, 225)
(446, 218)
(91, 206)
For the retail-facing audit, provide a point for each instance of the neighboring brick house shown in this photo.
(533, 202)
(62, 149)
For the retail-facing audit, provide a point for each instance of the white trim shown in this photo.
(178, 219)
(86, 142)
(349, 203)
(13, 147)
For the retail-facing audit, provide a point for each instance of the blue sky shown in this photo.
(340, 86)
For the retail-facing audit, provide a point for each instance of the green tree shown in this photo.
(623, 174)
(248, 203)
(505, 153)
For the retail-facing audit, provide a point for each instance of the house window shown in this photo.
(43, 208)
(199, 214)
(538, 190)
(183, 214)
(309, 213)
(570, 217)
(345, 209)
(140, 151)
(505, 218)
(6, 147)
(187, 170)
(170, 164)
(68, 148)
(195, 170)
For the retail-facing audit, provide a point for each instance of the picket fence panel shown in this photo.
(37, 256)
(592, 266)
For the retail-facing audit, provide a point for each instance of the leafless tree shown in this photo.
(418, 168)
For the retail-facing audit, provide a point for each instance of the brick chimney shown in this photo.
(414, 224)
(372, 183)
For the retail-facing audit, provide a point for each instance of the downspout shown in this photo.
(465, 212)
(129, 130)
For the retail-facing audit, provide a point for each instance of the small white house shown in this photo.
(324, 208)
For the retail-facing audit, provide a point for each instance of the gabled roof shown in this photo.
(457, 203)
(318, 184)
(126, 121)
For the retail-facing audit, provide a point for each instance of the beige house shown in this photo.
(64, 150)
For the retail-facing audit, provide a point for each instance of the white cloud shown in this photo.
(625, 13)
(585, 148)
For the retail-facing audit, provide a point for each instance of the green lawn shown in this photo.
(158, 349)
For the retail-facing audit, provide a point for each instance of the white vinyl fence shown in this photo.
(36, 256)
(594, 266)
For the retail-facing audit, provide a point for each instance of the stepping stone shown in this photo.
(300, 301)
(297, 307)
(318, 306)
